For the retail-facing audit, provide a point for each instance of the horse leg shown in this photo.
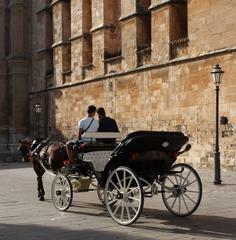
(41, 191)
(39, 172)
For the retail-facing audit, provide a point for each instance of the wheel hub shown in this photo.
(178, 190)
(125, 197)
(58, 192)
(119, 196)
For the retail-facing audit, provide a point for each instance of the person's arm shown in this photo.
(69, 151)
(115, 126)
(81, 131)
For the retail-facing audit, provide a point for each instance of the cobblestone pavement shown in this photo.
(23, 217)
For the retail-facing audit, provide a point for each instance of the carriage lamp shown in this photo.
(217, 74)
(38, 110)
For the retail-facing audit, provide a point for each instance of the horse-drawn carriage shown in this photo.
(141, 165)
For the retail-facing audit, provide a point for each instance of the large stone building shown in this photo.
(148, 62)
(15, 55)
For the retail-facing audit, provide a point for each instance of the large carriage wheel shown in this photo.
(182, 191)
(124, 196)
(61, 192)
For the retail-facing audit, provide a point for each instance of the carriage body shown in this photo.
(130, 170)
(149, 153)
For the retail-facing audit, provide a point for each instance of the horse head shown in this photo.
(24, 148)
(27, 147)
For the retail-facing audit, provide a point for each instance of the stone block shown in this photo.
(160, 34)
(129, 44)
(77, 13)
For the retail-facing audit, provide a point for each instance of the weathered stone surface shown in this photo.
(97, 13)
(128, 7)
(210, 25)
(76, 13)
(166, 87)
(14, 75)
(129, 44)
(160, 34)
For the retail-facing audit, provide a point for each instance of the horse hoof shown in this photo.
(41, 198)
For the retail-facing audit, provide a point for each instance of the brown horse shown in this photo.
(45, 156)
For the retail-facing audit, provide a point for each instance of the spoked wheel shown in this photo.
(124, 196)
(61, 192)
(182, 191)
(100, 192)
(101, 196)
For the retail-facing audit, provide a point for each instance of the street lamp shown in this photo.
(38, 110)
(217, 74)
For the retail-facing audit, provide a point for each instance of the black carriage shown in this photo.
(141, 165)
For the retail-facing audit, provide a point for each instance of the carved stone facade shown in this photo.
(15, 51)
(148, 62)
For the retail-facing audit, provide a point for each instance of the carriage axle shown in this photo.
(58, 192)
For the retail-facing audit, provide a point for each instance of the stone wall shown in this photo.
(15, 50)
(168, 86)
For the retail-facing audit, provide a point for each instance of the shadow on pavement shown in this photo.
(197, 225)
(33, 232)
(86, 208)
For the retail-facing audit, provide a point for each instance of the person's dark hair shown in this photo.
(101, 111)
(91, 109)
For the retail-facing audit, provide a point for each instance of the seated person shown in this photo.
(106, 124)
(87, 124)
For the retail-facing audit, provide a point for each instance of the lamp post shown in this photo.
(38, 110)
(217, 74)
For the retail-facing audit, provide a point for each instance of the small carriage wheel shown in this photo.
(124, 196)
(182, 191)
(61, 192)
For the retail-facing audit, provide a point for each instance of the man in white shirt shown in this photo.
(88, 124)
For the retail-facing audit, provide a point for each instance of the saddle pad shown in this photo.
(99, 159)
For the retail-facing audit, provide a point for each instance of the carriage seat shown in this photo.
(101, 145)
(97, 152)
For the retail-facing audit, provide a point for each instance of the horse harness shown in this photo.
(40, 147)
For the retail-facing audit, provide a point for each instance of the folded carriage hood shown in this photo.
(142, 141)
